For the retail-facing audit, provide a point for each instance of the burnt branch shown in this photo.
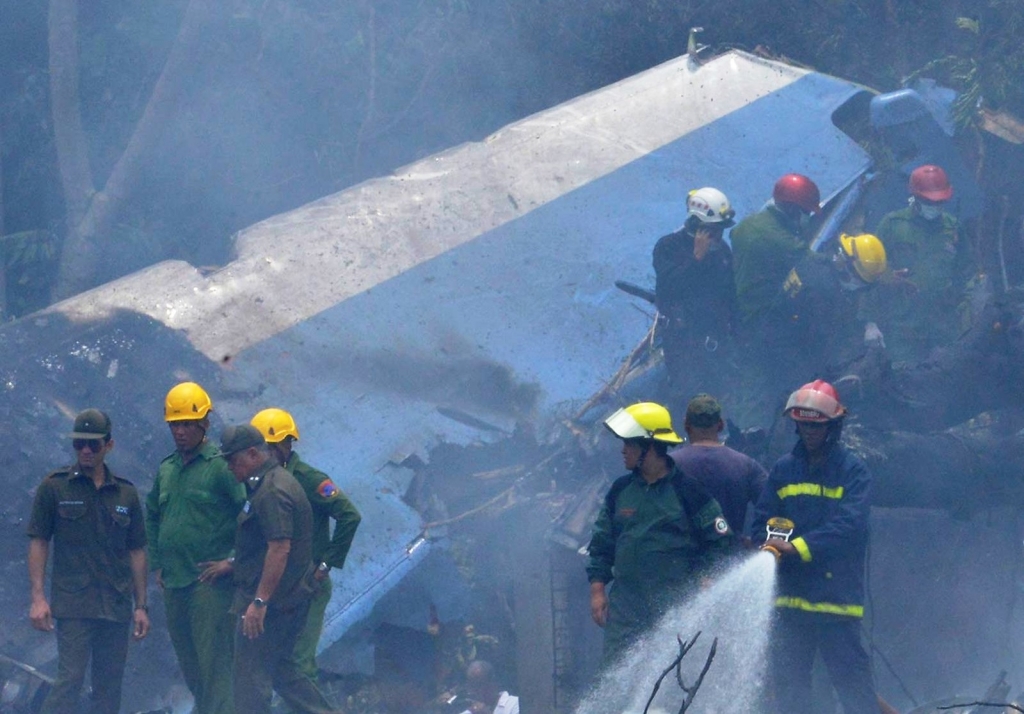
(677, 665)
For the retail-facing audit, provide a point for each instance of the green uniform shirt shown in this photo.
(277, 509)
(765, 247)
(649, 540)
(328, 501)
(190, 514)
(93, 531)
(915, 321)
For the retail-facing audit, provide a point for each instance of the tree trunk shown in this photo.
(92, 214)
(69, 138)
(77, 258)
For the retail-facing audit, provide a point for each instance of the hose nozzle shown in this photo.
(780, 528)
(773, 550)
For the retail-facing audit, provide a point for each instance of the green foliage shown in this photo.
(988, 69)
(28, 259)
(24, 252)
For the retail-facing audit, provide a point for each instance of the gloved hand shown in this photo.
(873, 336)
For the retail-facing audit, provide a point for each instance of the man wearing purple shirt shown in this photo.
(734, 479)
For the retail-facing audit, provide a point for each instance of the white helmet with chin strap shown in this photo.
(709, 205)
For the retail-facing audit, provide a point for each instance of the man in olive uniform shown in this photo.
(657, 534)
(99, 563)
(766, 245)
(328, 501)
(273, 574)
(920, 313)
(190, 518)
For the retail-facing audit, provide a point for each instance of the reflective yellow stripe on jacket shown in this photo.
(810, 489)
(829, 608)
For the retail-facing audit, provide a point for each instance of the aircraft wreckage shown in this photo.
(439, 335)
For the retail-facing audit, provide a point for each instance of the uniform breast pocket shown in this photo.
(202, 509)
(72, 524)
(117, 532)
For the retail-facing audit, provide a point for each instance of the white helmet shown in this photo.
(710, 205)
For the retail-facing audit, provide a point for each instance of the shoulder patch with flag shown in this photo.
(327, 489)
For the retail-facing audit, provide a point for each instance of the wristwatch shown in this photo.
(323, 568)
(144, 608)
(259, 602)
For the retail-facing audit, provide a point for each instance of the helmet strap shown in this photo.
(644, 450)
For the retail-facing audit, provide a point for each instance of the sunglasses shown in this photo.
(94, 445)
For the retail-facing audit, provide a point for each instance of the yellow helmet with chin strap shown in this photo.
(867, 254)
(645, 420)
(276, 425)
(186, 402)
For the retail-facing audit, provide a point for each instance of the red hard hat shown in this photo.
(798, 189)
(815, 401)
(930, 182)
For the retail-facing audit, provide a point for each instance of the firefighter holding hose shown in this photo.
(815, 509)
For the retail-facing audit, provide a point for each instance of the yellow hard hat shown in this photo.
(645, 420)
(185, 402)
(276, 425)
(867, 253)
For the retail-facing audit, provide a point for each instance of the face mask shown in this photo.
(927, 211)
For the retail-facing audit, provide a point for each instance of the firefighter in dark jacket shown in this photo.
(824, 489)
(695, 294)
(658, 532)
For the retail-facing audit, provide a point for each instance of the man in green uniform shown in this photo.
(273, 574)
(99, 563)
(190, 519)
(328, 501)
(766, 245)
(921, 313)
(657, 534)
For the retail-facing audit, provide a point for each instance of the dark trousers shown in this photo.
(266, 664)
(797, 637)
(78, 641)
